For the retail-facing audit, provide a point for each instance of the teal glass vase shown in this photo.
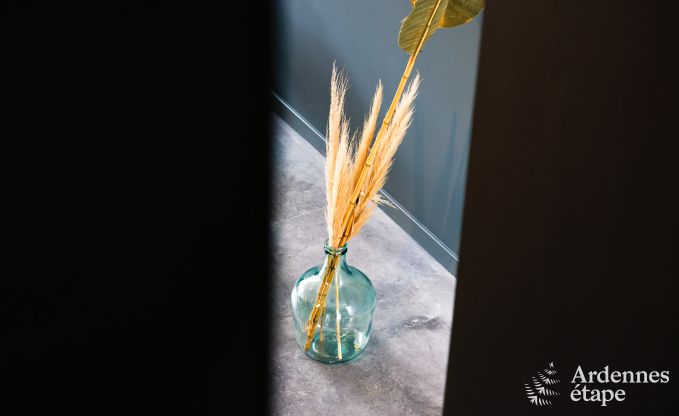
(346, 316)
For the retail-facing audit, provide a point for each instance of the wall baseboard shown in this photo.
(424, 237)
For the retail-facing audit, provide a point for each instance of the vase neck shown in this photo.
(331, 252)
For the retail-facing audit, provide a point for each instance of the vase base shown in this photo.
(353, 344)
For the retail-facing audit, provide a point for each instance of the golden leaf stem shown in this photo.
(385, 124)
(320, 299)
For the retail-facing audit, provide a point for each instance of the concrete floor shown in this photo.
(402, 371)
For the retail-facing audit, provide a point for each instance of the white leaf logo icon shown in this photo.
(537, 391)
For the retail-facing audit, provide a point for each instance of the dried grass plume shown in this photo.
(347, 155)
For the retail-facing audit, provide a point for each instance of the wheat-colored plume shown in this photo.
(384, 157)
(338, 162)
(368, 133)
(346, 158)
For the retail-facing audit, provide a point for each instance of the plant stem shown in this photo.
(337, 319)
(320, 337)
(320, 299)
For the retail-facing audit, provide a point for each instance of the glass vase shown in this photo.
(345, 321)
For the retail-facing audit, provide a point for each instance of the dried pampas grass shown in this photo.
(356, 168)
(347, 158)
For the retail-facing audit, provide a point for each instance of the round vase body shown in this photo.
(346, 315)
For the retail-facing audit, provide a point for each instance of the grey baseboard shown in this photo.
(424, 237)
